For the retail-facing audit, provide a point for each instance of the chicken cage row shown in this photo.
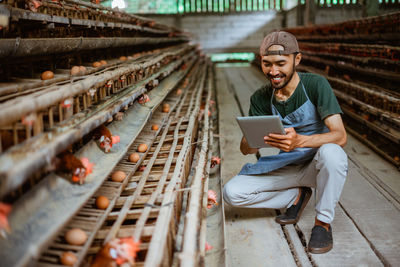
(382, 29)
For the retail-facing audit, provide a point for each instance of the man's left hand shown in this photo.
(286, 142)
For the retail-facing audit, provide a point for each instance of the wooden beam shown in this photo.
(158, 239)
(190, 249)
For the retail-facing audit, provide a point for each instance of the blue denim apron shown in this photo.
(306, 121)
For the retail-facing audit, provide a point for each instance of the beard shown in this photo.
(286, 78)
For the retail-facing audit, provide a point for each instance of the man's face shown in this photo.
(279, 69)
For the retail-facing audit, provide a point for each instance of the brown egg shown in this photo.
(68, 258)
(103, 62)
(123, 58)
(165, 107)
(76, 237)
(102, 202)
(47, 75)
(134, 157)
(142, 148)
(118, 176)
(96, 64)
(75, 70)
(154, 127)
(82, 69)
(179, 92)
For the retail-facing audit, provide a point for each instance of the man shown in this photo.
(311, 153)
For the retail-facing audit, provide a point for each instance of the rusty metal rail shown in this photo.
(10, 48)
(74, 9)
(18, 17)
(193, 239)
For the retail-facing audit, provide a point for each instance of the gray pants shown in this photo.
(278, 189)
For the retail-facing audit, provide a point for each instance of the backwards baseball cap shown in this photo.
(285, 39)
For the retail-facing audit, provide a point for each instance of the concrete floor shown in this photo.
(366, 228)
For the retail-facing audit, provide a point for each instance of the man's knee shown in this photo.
(232, 193)
(332, 156)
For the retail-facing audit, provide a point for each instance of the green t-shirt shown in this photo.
(318, 90)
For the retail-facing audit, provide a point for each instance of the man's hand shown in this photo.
(245, 148)
(286, 142)
(336, 135)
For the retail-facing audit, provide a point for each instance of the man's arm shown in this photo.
(292, 140)
(245, 148)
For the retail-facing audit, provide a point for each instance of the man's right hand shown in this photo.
(245, 148)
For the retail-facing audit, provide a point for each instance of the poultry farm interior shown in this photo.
(110, 136)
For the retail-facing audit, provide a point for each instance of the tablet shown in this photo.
(256, 127)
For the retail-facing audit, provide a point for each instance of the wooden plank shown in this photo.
(242, 94)
(255, 78)
(245, 81)
(246, 228)
(215, 222)
(229, 131)
(216, 234)
(190, 249)
(373, 164)
(160, 186)
(184, 200)
(159, 237)
(130, 200)
(376, 218)
(296, 246)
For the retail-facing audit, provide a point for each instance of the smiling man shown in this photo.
(311, 153)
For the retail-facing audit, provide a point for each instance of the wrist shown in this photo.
(302, 140)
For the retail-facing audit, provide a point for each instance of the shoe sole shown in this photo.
(305, 202)
(320, 250)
